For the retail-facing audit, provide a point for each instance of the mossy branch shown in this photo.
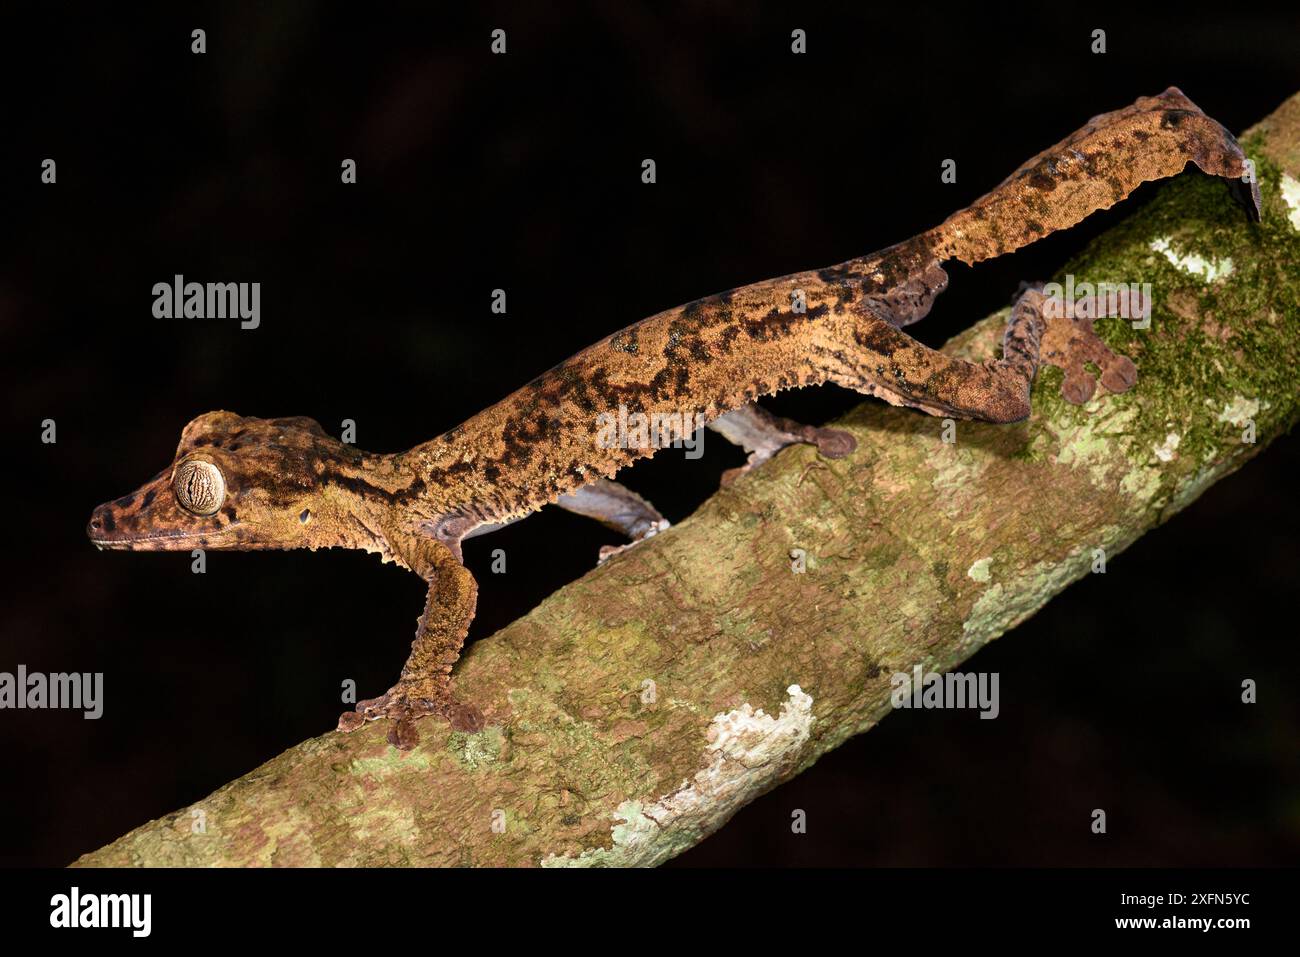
(638, 708)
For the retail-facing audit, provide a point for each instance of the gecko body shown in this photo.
(249, 483)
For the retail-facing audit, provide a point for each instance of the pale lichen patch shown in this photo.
(1141, 484)
(477, 751)
(979, 571)
(1089, 443)
(746, 751)
(1239, 411)
(392, 761)
(1207, 270)
(1290, 191)
(1166, 450)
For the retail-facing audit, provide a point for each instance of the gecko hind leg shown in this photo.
(618, 507)
(762, 435)
(876, 358)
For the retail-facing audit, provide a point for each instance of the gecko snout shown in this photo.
(129, 522)
(101, 520)
(103, 526)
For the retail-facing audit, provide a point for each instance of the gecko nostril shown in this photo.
(305, 516)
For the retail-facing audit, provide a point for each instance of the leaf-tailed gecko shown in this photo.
(248, 483)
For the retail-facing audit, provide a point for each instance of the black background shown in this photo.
(523, 172)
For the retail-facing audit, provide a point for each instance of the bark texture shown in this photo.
(634, 711)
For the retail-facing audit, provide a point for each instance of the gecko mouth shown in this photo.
(162, 541)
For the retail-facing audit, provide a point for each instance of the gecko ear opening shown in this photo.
(199, 486)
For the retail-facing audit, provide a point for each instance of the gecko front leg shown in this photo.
(424, 687)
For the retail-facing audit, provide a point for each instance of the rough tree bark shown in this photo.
(640, 707)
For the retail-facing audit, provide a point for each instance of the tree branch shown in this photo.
(634, 711)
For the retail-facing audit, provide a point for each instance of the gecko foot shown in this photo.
(830, 443)
(762, 435)
(404, 708)
(1071, 343)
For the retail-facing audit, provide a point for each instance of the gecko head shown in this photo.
(236, 482)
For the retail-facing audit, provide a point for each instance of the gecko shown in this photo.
(247, 483)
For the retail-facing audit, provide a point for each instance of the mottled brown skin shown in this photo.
(289, 485)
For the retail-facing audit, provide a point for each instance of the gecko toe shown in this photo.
(402, 735)
(1120, 375)
(835, 443)
(1078, 388)
(464, 717)
(350, 721)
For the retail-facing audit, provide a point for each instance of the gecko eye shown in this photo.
(199, 487)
